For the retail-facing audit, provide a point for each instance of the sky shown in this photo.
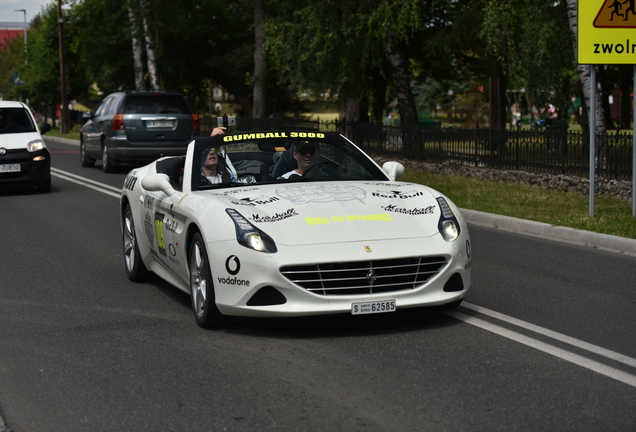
(33, 7)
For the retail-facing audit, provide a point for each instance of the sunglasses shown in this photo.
(306, 151)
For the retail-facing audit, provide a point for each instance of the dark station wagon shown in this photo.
(137, 127)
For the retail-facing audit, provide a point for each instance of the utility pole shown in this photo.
(60, 23)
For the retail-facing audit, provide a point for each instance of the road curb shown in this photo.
(553, 232)
(61, 140)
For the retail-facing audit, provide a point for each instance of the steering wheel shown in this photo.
(321, 165)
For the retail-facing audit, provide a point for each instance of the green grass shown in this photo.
(612, 216)
(73, 134)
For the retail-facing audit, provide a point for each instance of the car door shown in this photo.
(164, 227)
(94, 129)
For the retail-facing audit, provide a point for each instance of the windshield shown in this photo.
(278, 157)
(15, 120)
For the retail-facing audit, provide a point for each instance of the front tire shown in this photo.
(135, 267)
(85, 160)
(45, 186)
(206, 313)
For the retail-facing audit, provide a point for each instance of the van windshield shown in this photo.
(15, 120)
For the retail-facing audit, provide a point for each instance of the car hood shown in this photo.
(336, 212)
(14, 141)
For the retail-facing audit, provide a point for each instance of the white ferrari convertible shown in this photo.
(291, 223)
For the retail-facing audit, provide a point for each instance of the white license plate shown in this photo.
(159, 124)
(372, 307)
(10, 168)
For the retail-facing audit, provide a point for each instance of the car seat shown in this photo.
(283, 162)
(173, 167)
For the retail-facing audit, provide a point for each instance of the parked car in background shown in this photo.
(24, 158)
(137, 127)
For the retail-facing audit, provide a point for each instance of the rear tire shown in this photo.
(206, 313)
(85, 160)
(108, 164)
(135, 267)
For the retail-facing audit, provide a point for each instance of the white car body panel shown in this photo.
(18, 141)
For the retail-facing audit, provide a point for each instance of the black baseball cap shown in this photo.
(304, 145)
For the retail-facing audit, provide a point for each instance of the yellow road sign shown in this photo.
(607, 31)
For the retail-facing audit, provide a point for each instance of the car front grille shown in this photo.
(365, 277)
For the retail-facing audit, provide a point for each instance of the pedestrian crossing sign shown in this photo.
(606, 32)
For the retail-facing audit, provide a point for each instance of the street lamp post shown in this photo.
(25, 34)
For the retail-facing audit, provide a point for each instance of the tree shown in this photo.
(337, 48)
(42, 75)
(500, 24)
(584, 71)
(153, 74)
(137, 50)
(104, 44)
(452, 54)
(259, 79)
(11, 63)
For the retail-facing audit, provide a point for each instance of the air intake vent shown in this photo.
(365, 277)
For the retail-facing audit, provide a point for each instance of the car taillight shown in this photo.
(196, 124)
(118, 122)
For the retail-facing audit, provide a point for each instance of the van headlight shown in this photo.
(448, 225)
(35, 145)
(249, 236)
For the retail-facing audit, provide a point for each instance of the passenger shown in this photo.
(305, 155)
(213, 168)
(218, 131)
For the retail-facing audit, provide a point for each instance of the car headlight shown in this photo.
(35, 145)
(448, 225)
(249, 236)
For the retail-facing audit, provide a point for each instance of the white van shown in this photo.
(24, 158)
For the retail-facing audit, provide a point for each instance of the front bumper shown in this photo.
(121, 149)
(235, 291)
(35, 167)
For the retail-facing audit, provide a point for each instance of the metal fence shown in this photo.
(547, 151)
(550, 151)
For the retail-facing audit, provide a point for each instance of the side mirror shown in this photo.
(44, 128)
(393, 169)
(87, 115)
(158, 182)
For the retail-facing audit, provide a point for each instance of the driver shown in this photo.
(305, 155)
(213, 168)
(7, 120)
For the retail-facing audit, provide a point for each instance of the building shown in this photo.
(10, 31)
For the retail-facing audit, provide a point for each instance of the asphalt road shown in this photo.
(546, 339)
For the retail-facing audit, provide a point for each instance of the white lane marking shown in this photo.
(612, 355)
(592, 365)
(92, 184)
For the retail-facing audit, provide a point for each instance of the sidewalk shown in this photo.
(521, 226)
